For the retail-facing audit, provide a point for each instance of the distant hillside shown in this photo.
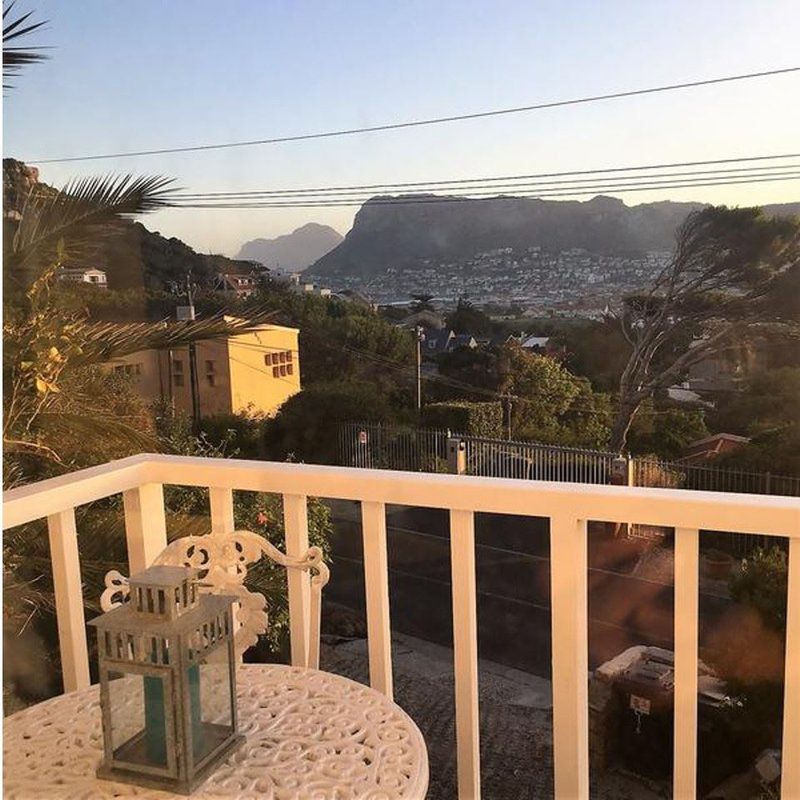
(390, 235)
(134, 258)
(292, 251)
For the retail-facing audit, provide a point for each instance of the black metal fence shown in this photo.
(413, 449)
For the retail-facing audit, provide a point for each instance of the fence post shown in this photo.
(622, 474)
(456, 456)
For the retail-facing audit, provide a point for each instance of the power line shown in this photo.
(590, 184)
(535, 176)
(578, 191)
(422, 122)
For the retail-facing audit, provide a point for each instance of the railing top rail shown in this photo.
(42, 498)
(745, 513)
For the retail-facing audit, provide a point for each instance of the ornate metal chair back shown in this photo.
(223, 561)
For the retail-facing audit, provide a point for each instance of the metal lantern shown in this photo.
(167, 682)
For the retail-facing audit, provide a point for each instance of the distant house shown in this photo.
(240, 286)
(436, 342)
(543, 346)
(725, 369)
(460, 340)
(713, 446)
(96, 277)
(681, 393)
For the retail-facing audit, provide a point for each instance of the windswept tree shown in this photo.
(723, 285)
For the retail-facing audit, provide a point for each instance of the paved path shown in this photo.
(515, 718)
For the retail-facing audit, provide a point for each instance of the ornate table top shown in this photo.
(310, 735)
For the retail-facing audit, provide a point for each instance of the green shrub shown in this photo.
(763, 584)
(474, 419)
(307, 426)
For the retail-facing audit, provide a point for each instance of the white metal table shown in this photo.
(310, 735)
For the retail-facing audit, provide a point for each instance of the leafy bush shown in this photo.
(307, 426)
(475, 419)
(763, 584)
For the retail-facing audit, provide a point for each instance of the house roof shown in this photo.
(536, 341)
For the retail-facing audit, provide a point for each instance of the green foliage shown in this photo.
(461, 416)
(722, 287)
(465, 318)
(543, 392)
(587, 421)
(239, 431)
(766, 400)
(596, 350)
(343, 341)
(767, 410)
(762, 584)
(549, 404)
(751, 661)
(263, 514)
(665, 432)
(306, 427)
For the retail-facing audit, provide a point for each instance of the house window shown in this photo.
(178, 380)
(268, 359)
(211, 378)
(119, 369)
(177, 366)
(289, 369)
(276, 372)
(210, 366)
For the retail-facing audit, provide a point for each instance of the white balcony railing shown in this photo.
(568, 506)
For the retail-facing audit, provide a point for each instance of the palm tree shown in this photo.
(48, 353)
(14, 57)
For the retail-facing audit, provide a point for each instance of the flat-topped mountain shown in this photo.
(437, 228)
(292, 251)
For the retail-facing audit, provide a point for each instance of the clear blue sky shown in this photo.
(153, 74)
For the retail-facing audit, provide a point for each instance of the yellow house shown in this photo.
(252, 373)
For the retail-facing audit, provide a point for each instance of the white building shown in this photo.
(84, 275)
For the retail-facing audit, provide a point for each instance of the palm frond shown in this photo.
(15, 58)
(103, 341)
(112, 430)
(69, 224)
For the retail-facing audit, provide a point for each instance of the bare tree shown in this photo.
(722, 285)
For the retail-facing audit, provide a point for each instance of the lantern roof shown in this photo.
(126, 619)
(163, 577)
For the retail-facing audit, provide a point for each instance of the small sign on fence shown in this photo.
(362, 437)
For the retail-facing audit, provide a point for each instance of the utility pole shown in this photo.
(507, 398)
(193, 384)
(420, 335)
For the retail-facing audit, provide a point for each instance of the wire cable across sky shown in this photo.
(493, 195)
(390, 126)
(572, 174)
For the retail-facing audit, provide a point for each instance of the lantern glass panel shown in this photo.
(138, 712)
(211, 707)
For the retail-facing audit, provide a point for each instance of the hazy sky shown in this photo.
(157, 74)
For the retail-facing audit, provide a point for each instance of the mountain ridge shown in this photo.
(437, 227)
(292, 251)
